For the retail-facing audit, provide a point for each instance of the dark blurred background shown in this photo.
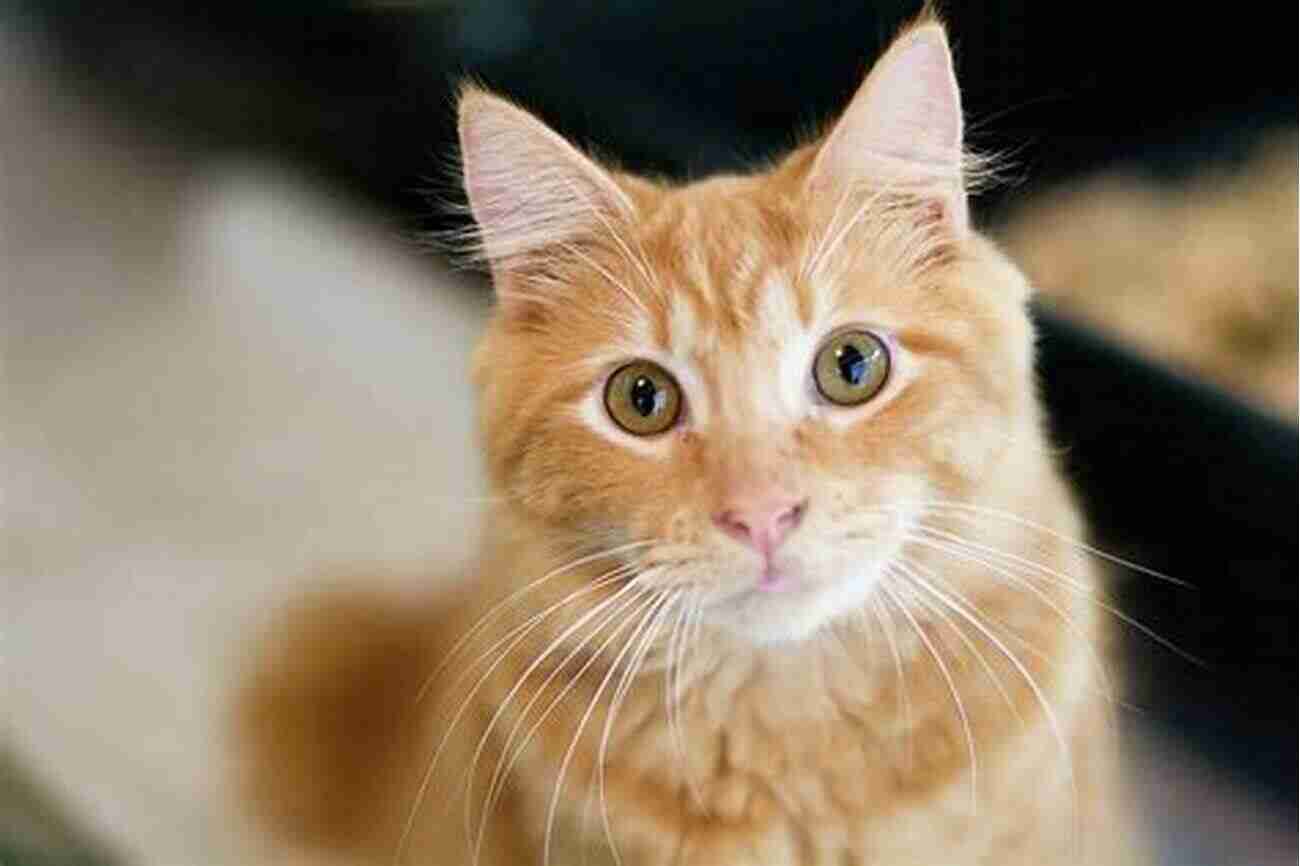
(362, 91)
(1179, 469)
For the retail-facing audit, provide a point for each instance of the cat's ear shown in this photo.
(903, 129)
(528, 188)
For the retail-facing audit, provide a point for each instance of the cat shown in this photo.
(781, 568)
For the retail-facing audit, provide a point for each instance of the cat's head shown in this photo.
(759, 376)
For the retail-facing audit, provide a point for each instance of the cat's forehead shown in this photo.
(724, 305)
(727, 260)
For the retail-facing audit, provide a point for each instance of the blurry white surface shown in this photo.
(217, 383)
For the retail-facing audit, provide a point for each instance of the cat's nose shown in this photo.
(764, 525)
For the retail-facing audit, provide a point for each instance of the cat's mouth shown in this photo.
(773, 596)
(791, 595)
(776, 578)
(782, 589)
(787, 601)
(769, 578)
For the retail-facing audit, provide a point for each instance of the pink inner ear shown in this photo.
(529, 189)
(907, 111)
(902, 128)
(917, 108)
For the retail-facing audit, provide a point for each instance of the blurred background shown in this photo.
(231, 362)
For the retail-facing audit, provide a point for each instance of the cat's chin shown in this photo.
(793, 608)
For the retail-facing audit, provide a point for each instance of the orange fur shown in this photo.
(690, 720)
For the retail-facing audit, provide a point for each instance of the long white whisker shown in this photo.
(499, 607)
(1052, 720)
(1068, 579)
(1045, 574)
(882, 615)
(957, 548)
(692, 609)
(504, 703)
(672, 681)
(1060, 536)
(620, 693)
(952, 688)
(691, 640)
(582, 723)
(912, 571)
(1023, 583)
(522, 634)
(546, 713)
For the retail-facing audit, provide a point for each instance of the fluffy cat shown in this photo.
(781, 569)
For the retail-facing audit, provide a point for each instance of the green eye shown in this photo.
(851, 367)
(642, 398)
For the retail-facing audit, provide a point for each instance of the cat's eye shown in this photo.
(643, 398)
(851, 367)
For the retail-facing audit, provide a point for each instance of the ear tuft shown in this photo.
(528, 188)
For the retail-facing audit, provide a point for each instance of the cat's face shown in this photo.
(759, 377)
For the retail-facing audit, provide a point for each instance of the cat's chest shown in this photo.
(757, 788)
(801, 764)
(819, 798)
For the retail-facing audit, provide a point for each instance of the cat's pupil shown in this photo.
(852, 364)
(645, 397)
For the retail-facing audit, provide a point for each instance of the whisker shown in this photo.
(910, 570)
(546, 712)
(957, 547)
(952, 688)
(1065, 577)
(672, 681)
(582, 723)
(692, 608)
(882, 616)
(620, 693)
(958, 608)
(520, 632)
(1046, 574)
(1106, 690)
(497, 783)
(504, 703)
(691, 641)
(535, 621)
(1069, 623)
(497, 608)
(1060, 536)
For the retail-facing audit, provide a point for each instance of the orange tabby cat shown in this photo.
(780, 568)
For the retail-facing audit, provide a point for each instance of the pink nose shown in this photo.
(762, 526)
